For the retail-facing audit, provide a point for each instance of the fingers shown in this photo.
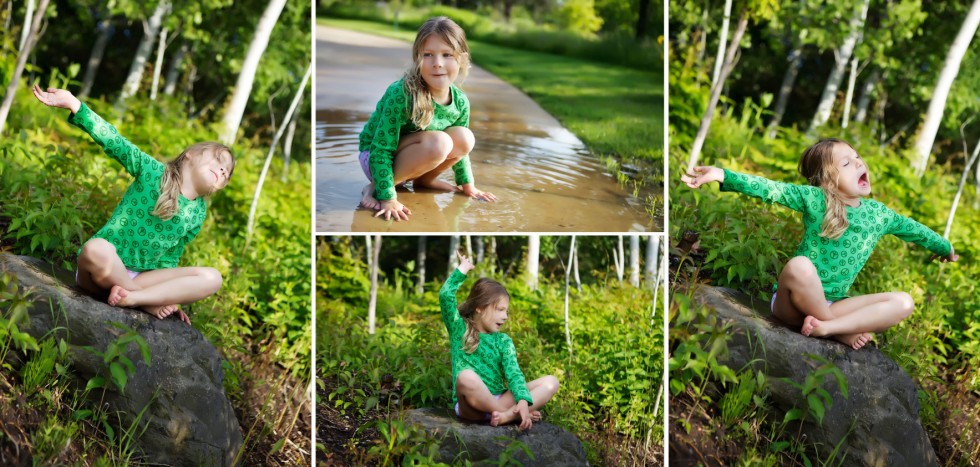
(183, 316)
(399, 213)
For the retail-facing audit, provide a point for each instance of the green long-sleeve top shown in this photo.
(837, 261)
(493, 360)
(143, 241)
(392, 119)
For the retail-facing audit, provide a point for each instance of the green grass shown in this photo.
(616, 111)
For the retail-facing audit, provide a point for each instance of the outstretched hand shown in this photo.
(525, 413)
(465, 265)
(952, 257)
(473, 192)
(702, 175)
(60, 98)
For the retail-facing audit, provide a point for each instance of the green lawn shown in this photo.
(616, 111)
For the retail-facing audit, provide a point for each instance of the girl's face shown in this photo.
(210, 170)
(439, 64)
(853, 180)
(492, 317)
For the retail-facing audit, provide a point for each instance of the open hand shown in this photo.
(525, 413)
(465, 265)
(702, 175)
(183, 316)
(391, 208)
(57, 98)
(473, 192)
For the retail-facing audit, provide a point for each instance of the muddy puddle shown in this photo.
(543, 176)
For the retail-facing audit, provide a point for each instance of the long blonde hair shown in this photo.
(817, 165)
(168, 201)
(422, 110)
(486, 293)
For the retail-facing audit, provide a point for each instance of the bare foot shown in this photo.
(117, 296)
(435, 184)
(854, 341)
(160, 311)
(535, 416)
(367, 198)
(811, 326)
(502, 418)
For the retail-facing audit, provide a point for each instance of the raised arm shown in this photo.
(101, 131)
(795, 197)
(447, 294)
(911, 231)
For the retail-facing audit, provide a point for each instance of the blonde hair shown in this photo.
(422, 110)
(817, 165)
(168, 201)
(485, 293)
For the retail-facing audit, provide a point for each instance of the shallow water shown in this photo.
(543, 176)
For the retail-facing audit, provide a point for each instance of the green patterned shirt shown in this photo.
(143, 241)
(392, 119)
(838, 261)
(493, 360)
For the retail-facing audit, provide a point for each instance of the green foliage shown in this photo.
(579, 16)
(818, 399)
(119, 364)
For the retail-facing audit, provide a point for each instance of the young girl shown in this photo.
(841, 227)
(419, 128)
(483, 356)
(133, 258)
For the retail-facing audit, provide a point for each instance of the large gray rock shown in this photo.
(550, 445)
(880, 416)
(189, 420)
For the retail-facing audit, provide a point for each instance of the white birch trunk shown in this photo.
(287, 145)
(480, 249)
(243, 87)
(469, 248)
(369, 252)
(578, 280)
(492, 255)
(95, 58)
(789, 78)
(850, 93)
(8, 97)
(373, 303)
(619, 257)
(650, 268)
(150, 30)
(533, 249)
(864, 101)
(420, 266)
(635, 260)
(716, 92)
(161, 46)
(843, 56)
(937, 105)
(722, 41)
(568, 271)
(959, 190)
(173, 71)
(25, 32)
(453, 247)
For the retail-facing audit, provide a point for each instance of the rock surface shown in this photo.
(477, 442)
(880, 416)
(189, 420)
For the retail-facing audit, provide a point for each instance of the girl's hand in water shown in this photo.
(703, 174)
(391, 208)
(525, 414)
(465, 265)
(57, 98)
(952, 257)
(472, 191)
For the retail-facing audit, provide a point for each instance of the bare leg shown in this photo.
(101, 270)
(800, 295)
(463, 142)
(420, 152)
(367, 198)
(880, 311)
(542, 390)
(175, 285)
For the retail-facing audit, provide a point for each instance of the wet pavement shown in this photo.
(543, 176)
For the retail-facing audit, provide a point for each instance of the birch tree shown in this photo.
(453, 247)
(937, 105)
(653, 252)
(533, 251)
(173, 70)
(373, 302)
(619, 259)
(95, 57)
(25, 51)
(795, 60)
(420, 266)
(842, 58)
(635, 260)
(243, 86)
(158, 66)
(959, 189)
(568, 271)
(852, 78)
(722, 40)
(151, 28)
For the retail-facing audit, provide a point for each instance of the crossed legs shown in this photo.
(800, 301)
(156, 292)
(422, 156)
(476, 401)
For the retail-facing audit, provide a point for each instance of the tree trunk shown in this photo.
(578, 280)
(420, 266)
(619, 259)
(95, 58)
(28, 22)
(373, 303)
(150, 30)
(650, 268)
(243, 87)
(533, 247)
(173, 71)
(937, 105)
(480, 250)
(843, 56)
(492, 255)
(789, 78)
(369, 251)
(643, 19)
(850, 93)
(161, 46)
(702, 134)
(568, 270)
(287, 145)
(861, 110)
(25, 51)
(959, 190)
(635, 260)
(722, 40)
(469, 247)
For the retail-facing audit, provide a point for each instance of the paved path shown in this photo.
(544, 177)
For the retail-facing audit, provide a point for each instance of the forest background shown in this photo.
(167, 75)
(750, 89)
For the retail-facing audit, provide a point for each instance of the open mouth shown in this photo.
(863, 180)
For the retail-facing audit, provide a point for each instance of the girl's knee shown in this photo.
(551, 383)
(98, 251)
(437, 144)
(467, 379)
(801, 268)
(904, 304)
(211, 278)
(463, 139)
